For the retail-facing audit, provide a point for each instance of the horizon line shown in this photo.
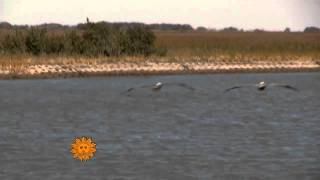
(159, 23)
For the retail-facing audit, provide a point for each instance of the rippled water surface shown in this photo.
(172, 134)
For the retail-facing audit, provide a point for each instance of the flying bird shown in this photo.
(158, 86)
(262, 86)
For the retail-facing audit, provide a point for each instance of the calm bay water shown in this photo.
(172, 134)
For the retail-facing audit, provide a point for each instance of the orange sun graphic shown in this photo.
(83, 148)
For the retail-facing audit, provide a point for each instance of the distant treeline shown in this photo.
(91, 39)
(310, 29)
(81, 26)
(162, 27)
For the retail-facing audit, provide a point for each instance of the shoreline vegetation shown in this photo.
(92, 49)
(64, 67)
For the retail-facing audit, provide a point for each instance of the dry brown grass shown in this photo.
(204, 44)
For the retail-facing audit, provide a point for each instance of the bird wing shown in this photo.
(284, 86)
(180, 84)
(240, 86)
(128, 90)
(132, 88)
(235, 87)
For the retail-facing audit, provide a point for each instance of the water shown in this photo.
(172, 134)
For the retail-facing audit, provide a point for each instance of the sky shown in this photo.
(246, 14)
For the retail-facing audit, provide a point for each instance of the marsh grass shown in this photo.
(239, 44)
(184, 47)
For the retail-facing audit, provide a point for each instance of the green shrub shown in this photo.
(14, 43)
(117, 39)
(139, 41)
(54, 45)
(35, 40)
(109, 40)
(96, 39)
(73, 43)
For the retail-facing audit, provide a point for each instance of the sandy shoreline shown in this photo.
(153, 68)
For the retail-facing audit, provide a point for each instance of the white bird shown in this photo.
(158, 86)
(262, 86)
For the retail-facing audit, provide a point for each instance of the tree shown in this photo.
(201, 28)
(311, 29)
(258, 30)
(5, 25)
(287, 30)
(230, 29)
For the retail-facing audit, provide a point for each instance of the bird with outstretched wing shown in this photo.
(262, 86)
(159, 85)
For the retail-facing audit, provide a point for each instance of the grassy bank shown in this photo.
(211, 51)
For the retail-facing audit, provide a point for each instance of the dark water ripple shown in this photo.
(174, 134)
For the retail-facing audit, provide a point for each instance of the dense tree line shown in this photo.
(312, 29)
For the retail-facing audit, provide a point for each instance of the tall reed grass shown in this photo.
(239, 43)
